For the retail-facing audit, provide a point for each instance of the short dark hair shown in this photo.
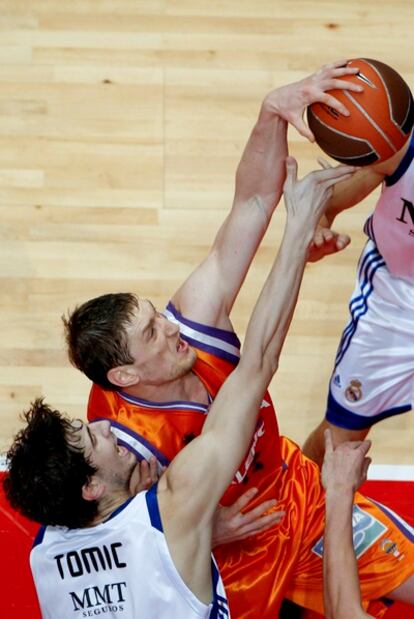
(96, 336)
(46, 474)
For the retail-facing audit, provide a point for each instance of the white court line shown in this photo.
(390, 472)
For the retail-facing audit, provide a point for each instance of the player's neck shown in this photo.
(188, 388)
(108, 505)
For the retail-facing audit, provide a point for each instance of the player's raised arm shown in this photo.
(207, 296)
(194, 482)
(344, 470)
(344, 196)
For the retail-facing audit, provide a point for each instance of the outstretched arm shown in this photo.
(344, 470)
(326, 240)
(346, 195)
(207, 296)
(194, 482)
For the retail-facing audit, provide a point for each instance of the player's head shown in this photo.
(47, 471)
(65, 472)
(120, 340)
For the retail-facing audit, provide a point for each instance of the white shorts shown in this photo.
(373, 376)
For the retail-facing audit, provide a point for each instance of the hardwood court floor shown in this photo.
(121, 125)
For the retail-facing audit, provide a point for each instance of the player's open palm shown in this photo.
(290, 101)
(306, 199)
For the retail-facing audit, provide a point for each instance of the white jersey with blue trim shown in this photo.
(119, 569)
(391, 226)
(373, 377)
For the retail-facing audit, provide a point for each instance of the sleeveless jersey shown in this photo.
(121, 569)
(391, 226)
(164, 428)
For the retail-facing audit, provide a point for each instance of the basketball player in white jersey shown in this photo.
(104, 552)
(373, 376)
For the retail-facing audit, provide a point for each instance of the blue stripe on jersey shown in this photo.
(136, 443)
(340, 416)
(153, 508)
(173, 405)
(220, 606)
(369, 228)
(358, 305)
(226, 336)
(39, 536)
(399, 522)
(403, 165)
(223, 344)
(218, 352)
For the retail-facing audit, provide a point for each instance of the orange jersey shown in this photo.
(258, 572)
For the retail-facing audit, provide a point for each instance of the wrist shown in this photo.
(343, 494)
(300, 231)
(271, 109)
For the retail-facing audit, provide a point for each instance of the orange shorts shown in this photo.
(383, 544)
(286, 561)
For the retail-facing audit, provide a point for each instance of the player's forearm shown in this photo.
(270, 321)
(261, 171)
(350, 192)
(265, 336)
(259, 183)
(341, 583)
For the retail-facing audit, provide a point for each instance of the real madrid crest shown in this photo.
(353, 392)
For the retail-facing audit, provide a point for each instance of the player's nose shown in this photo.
(104, 427)
(171, 327)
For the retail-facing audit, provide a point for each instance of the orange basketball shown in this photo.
(380, 121)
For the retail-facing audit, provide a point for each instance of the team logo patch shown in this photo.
(353, 392)
(391, 548)
(366, 531)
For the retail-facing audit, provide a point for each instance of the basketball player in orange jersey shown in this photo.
(156, 374)
(373, 376)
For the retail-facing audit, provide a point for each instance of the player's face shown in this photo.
(114, 462)
(161, 356)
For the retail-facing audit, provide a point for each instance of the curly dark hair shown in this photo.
(46, 474)
(96, 337)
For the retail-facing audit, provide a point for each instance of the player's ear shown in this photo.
(93, 489)
(123, 376)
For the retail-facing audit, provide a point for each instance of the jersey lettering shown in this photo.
(407, 206)
(96, 558)
(95, 596)
(241, 473)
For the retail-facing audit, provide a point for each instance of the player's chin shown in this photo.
(191, 358)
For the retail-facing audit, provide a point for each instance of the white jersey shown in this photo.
(373, 376)
(119, 569)
(391, 227)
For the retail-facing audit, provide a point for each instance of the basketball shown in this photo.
(380, 121)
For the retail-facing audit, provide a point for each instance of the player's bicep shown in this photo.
(189, 483)
(208, 294)
(200, 298)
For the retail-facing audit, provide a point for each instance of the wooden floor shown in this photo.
(121, 125)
